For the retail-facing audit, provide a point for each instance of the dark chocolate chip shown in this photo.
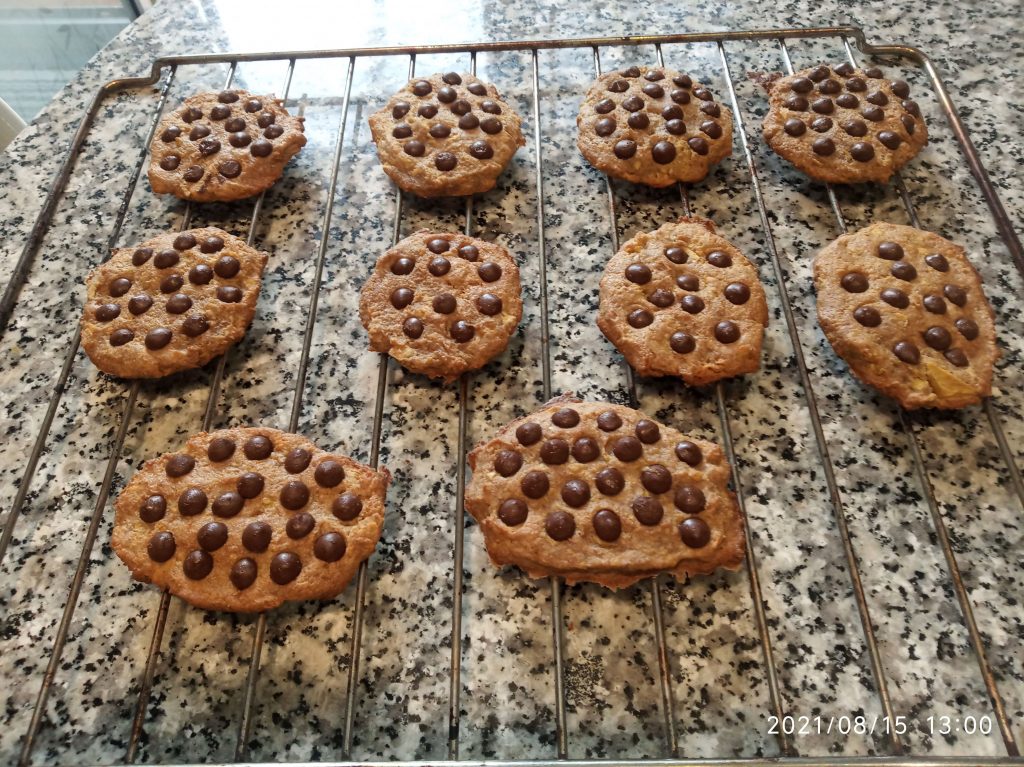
(481, 150)
(402, 130)
(329, 547)
(627, 449)
(797, 103)
(200, 274)
(640, 318)
(896, 298)
(872, 113)
(719, 258)
(856, 84)
(488, 304)
(403, 265)
(692, 304)
(220, 449)
(179, 465)
(663, 152)
(956, 294)
(855, 127)
(453, 78)
(258, 447)
(938, 338)
(166, 259)
(401, 297)
(624, 149)
(329, 473)
(461, 107)
(170, 162)
(413, 327)
(604, 106)
(737, 293)
(243, 573)
(908, 124)
(158, 338)
(300, 525)
(823, 146)
(694, 532)
(565, 418)
(228, 504)
(256, 536)
(847, 101)
(854, 282)
(347, 506)
(711, 110)
(585, 450)
(682, 343)
(647, 510)
(638, 121)
(161, 547)
(727, 332)
(656, 479)
(844, 69)
(877, 98)
(610, 481)
(689, 499)
(209, 146)
(609, 421)
(285, 566)
(675, 127)
(575, 493)
(253, 105)
(512, 512)
(688, 282)
(191, 502)
(266, 119)
(890, 251)
(823, 106)
(607, 525)
(220, 112)
(638, 273)
(179, 303)
(890, 139)
(867, 316)
(937, 261)
(653, 75)
(212, 536)
(446, 95)
(957, 357)
(153, 509)
(555, 451)
(633, 104)
(211, 244)
(534, 484)
(683, 81)
(689, 453)
(297, 460)
(654, 90)
(229, 294)
(193, 174)
(698, 144)
(489, 271)
(907, 352)
(508, 462)
(141, 256)
(801, 85)
(934, 304)
(901, 270)
(415, 148)
(490, 107)
(830, 87)
(469, 252)
(469, 122)
(421, 88)
(680, 96)
(106, 312)
(430, 110)
(171, 283)
(261, 148)
(794, 127)
(445, 161)
(461, 331)
(528, 433)
(618, 86)
(968, 328)
(560, 525)
(676, 255)
(121, 336)
(661, 298)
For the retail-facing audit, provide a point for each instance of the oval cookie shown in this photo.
(683, 301)
(653, 125)
(844, 125)
(442, 303)
(245, 519)
(173, 303)
(596, 492)
(446, 135)
(906, 310)
(223, 146)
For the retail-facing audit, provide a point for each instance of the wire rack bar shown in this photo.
(894, 742)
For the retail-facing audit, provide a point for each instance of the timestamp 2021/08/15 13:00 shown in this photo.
(846, 724)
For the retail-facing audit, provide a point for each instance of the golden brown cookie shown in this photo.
(172, 303)
(683, 301)
(654, 126)
(245, 519)
(446, 135)
(844, 125)
(598, 492)
(442, 303)
(223, 146)
(906, 310)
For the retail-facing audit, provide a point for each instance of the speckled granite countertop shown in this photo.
(507, 685)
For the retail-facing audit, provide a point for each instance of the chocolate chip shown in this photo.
(228, 504)
(199, 132)
(698, 144)
(694, 532)
(209, 146)
(285, 566)
(266, 119)
(711, 129)
(797, 103)
(638, 273)
(907, 352)
(261, 148)
(794, 127)
(297, 460)
(631, 72)
(243, 573)
(633, 104)
(604, 106)
(654, 90)
(212, 536)
(848, 101)
(461, 331)
(121, 336)
(446, 95)
(415, 148)
(170, 134)
(609, 421)
(258, 448)
(823, 106)
(647, 510)
(481, 150)
(680, 96)
(856, 84)
(179, 303)
(453, 78)
(153, 509)
(161, 547)
(640, 318)
(229, 294)
(675, 127)
(719, 258)
(461, 107)
(347, 506)
(469, 252)
(508, 462)
(191, 114)
(711, 110)
(896, 298)
(439, 266)
(171, 283)
(823, 146)
(299, 526)
(170, 162)
(822, 124)
(512, 512)
(249, 485)
(607, 525)
(874, 114)
(528, 433)
(703, 94)
(737, 293)
(957, 357)
(968, 328)
(193, 174)
(901, 270)
(627, 449)
(158, 338)
(801, 85)
(490, 107)
(689, 453)
(253, 105)
(555, 451)
(179, 465)
(565, 418)
(624, 149)
(403, 265)
(211, 244)
(445, 161)
(877, 98)
(692, 304)
(401, 297)
(854, 282)
(682, 343)
(867, 316)
(402, 130)
(844, 69)
(274, 131)
(890, 251)
(938, 338)
(585, 450)
(908, 123)
(560, 525)
(256, 536)
(855, 127)
(656, 479)
(166, 259)
(200, 274)
(329, 547)
(890, 139)
(683, 81)
(488, 304)
(676, 255)
(663, 152)
(141, 256)
(830, 87)
(489, 271)
(534, 484)
(469, 122)
(661, 298)
(934, 304)
(220, 449)
(421, 87)
(956, 294)
(430, 110)
(107, 312)
(328, 473)
(610, 481)
(575, 493)
(618, 86)
(413, 327)
(727, 332)
(638, 120)
(653, 75)
(220, 112)
(191, 502)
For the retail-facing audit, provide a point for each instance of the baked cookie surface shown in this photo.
(596, 492)
(653, 125)
(683, 301)
(446, 135)
(223, 146)
(172, 303)
(906, 310)
(844, 125)
(245, 519)
(442, 303)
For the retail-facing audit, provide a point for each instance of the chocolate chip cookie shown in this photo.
(598, 492)
(907, 312)
(843, 124)
(683, 301)
(442, 303)
(173, 303)
(446, 135)
(654, 126)
(223, 146)
(245, 519)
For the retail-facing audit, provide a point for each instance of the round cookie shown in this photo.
(844, 125)
(596, 492)
(906, 310)
(223, 146)
(653, 126)
(446, 135)
(682, 301)
(173, 303)
(245, 519)
(442, 303)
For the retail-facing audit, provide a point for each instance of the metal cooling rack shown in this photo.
(165, 69)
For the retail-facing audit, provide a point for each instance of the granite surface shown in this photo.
(717, 668)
